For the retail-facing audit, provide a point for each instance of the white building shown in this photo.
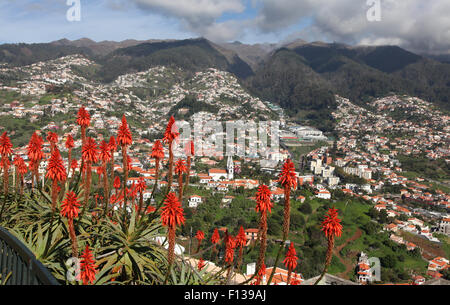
(217, 174)
(324, 194)
(194, 201)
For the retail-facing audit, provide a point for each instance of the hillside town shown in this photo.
(368, 146)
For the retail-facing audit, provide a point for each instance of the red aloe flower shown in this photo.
(105, 152)
(35, 155)
(105, 157)
(215, 238)
(260, 275)
(170, 134)
(89, 154)
(112, 144)
(116, 184)
(21, 169)
(113, 148)
(288, 177)
(172, 216)
(88, 267)
(263, 206)
(70, 206)
(69, 142)
(241, 241)
(172, 212)
(5, 151)
(52, 137)
(331, 224)
(180, 168)
(124, 139)
(290, 261)
(296, 280)
(201, 264)
(140, 188)
(241, 238)
(229, 249)
(55, 168)
(199, 236)
(263, 199)
(332, 227)
(83, 119)
(124, 135)
(158, 154)
(149, 210)
(5, 145)
(89, 151)
(73, 166)
(100, 171)
(56, 172)
(157, 150)
(70, 210)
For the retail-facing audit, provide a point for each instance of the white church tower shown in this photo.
(230, 168)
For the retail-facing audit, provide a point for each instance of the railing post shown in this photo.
(15, 257)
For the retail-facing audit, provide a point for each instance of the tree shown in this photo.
(305, 208)
(297, 221)
(383, 217)
(446, 274)
(370, 228)
(388, 261)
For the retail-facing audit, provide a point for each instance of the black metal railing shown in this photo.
(20, 263)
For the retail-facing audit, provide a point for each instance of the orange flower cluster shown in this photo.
(89, 151)
(201, 264)
(263, 196)
(291, 259)
(288, 177)
(83, 117)
(215, 238)
(171, 132)
(157, 150)
(180, 167)
(105, 152)
(230, 244)
(69, 142)
(200, 236)
(124, 135)
(88, 267)
(19, 163)
(70, 206)
(35, 153)
(331, 224)
(172, 212)
(55, 168)
(5, 145)
(241, 238)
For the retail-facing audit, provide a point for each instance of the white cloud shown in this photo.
(198, 16)
(415, 24)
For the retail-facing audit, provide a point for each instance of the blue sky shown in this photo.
(412, 24)
(34, 21)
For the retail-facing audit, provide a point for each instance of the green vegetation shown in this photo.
(193, 106)
(424, 167)
(360, 232)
